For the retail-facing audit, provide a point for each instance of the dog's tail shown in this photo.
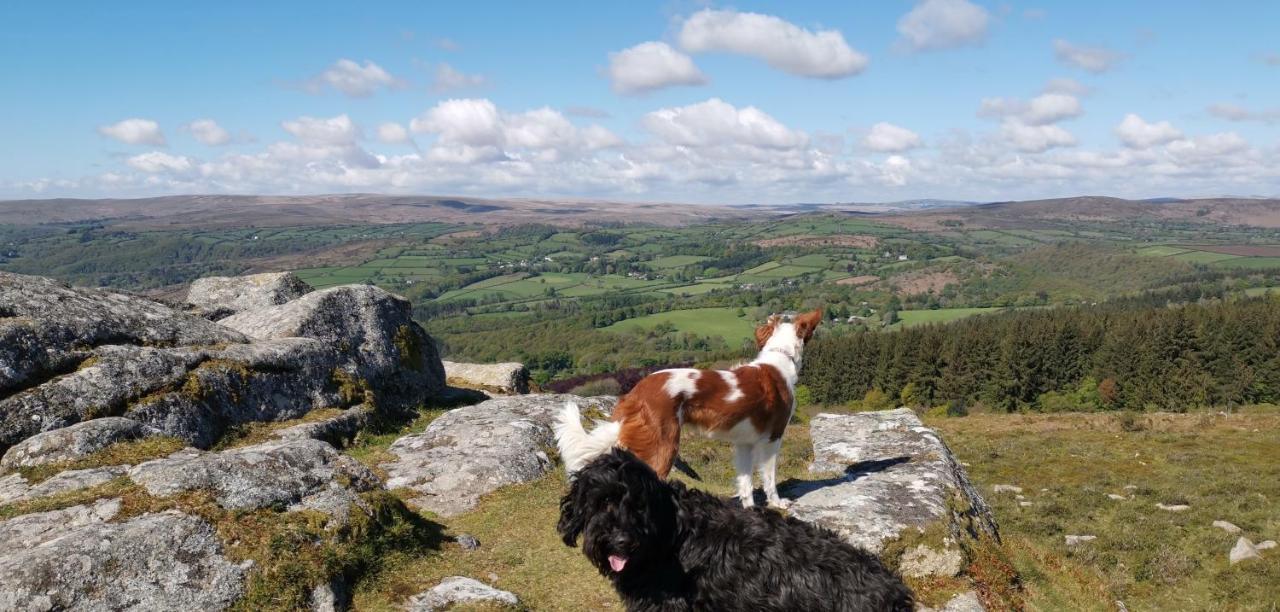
(576, 445)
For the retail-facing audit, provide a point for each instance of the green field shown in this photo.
(676, 261)
(1161, 250)
(1204, 257)
(1255, 263)
(942, 315)
(723, 322)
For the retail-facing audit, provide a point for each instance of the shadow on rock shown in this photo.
(796, 487)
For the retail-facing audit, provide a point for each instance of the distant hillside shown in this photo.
(1257, 212)
(219, 211)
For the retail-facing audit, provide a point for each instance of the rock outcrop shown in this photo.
(73, 560)
(373, 329)
(280, 473)
(472, 451)
(890, 476)
(220, 296)
(508, 378)
(15, 488)
(74, 442)
(69, 355)
(459, 590)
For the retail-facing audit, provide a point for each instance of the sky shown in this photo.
(642, 101)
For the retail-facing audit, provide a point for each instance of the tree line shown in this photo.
(1124, 355)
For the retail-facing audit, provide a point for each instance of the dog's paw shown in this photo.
(748, 501)
(779, 503)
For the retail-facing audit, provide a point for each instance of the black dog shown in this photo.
(667, 547)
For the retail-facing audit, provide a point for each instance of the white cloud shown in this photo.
(782, 44)
(1063, 85)
(1052, 108)
(1044, 109)
(208, 132)
(889, 138)
(1092, 59)
(649, 66)
(157, 161)
(715, 122)
(475, 130)
(1035, 138)
(1209, 146)
(943, 24)
(1136, 133)
(447, 44)
(353, 79)
(1271, 59)
(134, 131)
(339, 130)
(449, 79)
(392, 133)
(1232, 112)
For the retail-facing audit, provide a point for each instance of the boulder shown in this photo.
(373, 329)
(1173, 507)
(32, 530)
(509, 378)
(279, 473)
(15, 488)
(47, 327)
(1265, 545)
(69, 355)
(965, 602)
(106, 383)
(74, 442)
(340, 430)
(471, 451)
(924, 561)
(883, 474)
(1227, 527)
(458, 589)
(268, 380)
(221, 296)
(1076, 540)
(1244, 550)
(73, 560)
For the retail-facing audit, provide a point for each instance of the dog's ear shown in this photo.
(765, 331)
(806, 323)
(572, 521)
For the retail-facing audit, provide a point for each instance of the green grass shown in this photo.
(1161, 250)
(723, 322)
(1256, 291)
(1224, 467)
(676, 261)
(1255, 263)
(942, 315)
(1204, 257)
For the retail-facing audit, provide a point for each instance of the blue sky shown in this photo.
(732, 103)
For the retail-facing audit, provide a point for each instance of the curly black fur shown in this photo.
(685, 549)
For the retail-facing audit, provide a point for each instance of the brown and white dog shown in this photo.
(748, 406)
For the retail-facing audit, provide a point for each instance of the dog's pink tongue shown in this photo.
(617, 563)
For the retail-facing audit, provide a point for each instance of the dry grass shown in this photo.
(1224, 466)
(131, 452)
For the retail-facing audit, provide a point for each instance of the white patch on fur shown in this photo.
(782, 351)
(681, 383)
(577, 447)
(731, 379)
(742, 432)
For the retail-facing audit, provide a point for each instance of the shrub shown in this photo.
(876, 399)
(603, 386)
(804, 396)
